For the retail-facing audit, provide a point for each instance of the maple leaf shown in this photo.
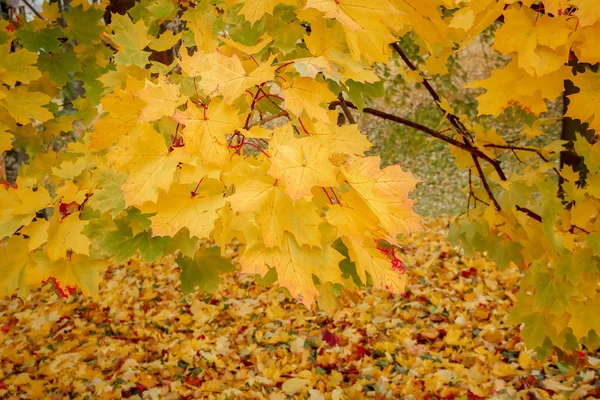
(295, 266)
(585, 44)
(541, 43)
(15, 260)
(305, 94)
(588, 11)
(130, 39)
(182, 206)
(513, 86)
(369, 259)
(19, 205)
(203, 270)
(18, 66)
(255, 191)
(582, 105)
(150, 163)
(161, 100)
(205, 130)
(352, 216)
(253, 10)
(340, 139)
(302, 165)
(66, 234)
(76, 271)
(386, 193)
(123, 112)
(228, 78)
(24, 105)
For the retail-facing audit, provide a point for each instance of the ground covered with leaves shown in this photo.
(444, 339)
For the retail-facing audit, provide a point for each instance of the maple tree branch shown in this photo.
(530, 213)
(498, 146)
(538, 218)
(346, 110)
(415, 125)
(269, 118)
(484, 182)
(453, 119)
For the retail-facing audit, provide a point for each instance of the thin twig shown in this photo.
(346, 110)
(484, 181)
(269, 118)
(37, 14)
(498, 146)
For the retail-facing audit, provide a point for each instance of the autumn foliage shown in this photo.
(180, 125)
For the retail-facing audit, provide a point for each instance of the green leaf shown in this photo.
(84, 25)
(43, 39)
(505, 252)
(107, 195)
(59, 65)
(358, 92)
(184, 243)
(203, 270)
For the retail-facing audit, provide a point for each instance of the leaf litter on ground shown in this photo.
(444, 339)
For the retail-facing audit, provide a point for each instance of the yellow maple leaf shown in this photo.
(228, 78)
(18, 66)
(371, 43)
(588, 11)
(166, 41)
(200, 21)
(584, 104)
(15, 260)
(513, 86)
(66, 234)
(76, 271)
(5, 138)
(352, 217)
(182, 206)
(162, 99)
(301, 165)
(130, 40)
(386, 193)
(150, 163)
(305, 94)
(295, 266)
(19, 205)
(253, 10)
(423, 17)
(37, 232)
(542, 45)
(205, 130)
(243, 49)
(369, 259)
(586, 44)
(341, 139)
(24, 106)
(123, 112)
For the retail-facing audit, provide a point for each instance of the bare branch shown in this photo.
(346, 110)
(519, 148)
(423, 128)
(269, 118)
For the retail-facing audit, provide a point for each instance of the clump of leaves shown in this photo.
(220, 121)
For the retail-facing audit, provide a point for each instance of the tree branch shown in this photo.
(346, 110)
(269, 118)
(453, 119)
(422, 128)
(498, 146)
(530, 213)
(484, 181)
